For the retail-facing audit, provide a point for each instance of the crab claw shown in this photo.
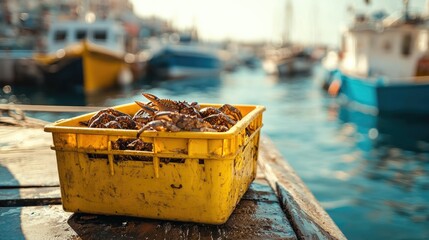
(140, 104)
(146, 108)
(151, 97)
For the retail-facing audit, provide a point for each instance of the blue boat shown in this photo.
(384, 97)
(184, 61)
(385, 64)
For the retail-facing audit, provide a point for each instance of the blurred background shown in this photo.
(368, 170)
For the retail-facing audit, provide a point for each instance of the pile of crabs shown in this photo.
(165, 115)
(168, 115)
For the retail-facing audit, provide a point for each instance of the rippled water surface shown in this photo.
(369, 173)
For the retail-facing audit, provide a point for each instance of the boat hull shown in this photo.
(411, 98)
(288, 67)
(294, 66)
(176, 63)
(87, 68)
(66, 73)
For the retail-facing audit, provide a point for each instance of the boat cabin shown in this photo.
(395, 49)
(108, 34)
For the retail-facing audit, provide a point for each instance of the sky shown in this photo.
(309, 21)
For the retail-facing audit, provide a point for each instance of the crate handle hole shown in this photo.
(176, 187)
(172, 160)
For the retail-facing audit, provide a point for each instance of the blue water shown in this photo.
(369, 173)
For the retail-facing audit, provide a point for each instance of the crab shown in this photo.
(101, 120)
(126, 122)
(220, 121)
(173, 106)
(231, 111)
(139, 145)
(174, 122)
(110, 111)
(185, 122)
(158, 126)
(121, 143)
(113, 124)
(207, 111)
(144, 115)
(131, 144)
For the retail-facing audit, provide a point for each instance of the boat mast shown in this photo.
(288, 23)
(84, 9)
(406, 13)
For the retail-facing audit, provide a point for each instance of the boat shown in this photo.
(288, 58)
(287, 61)
(385, 64)
(86, 57)
(177, 61)
(15, 52)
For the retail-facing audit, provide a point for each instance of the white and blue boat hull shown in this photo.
(403, 98)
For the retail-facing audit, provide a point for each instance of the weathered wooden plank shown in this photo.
(308, 218)
(26, 158)
(29, 196)
(257, 216)
(9, 117)
(49, 108)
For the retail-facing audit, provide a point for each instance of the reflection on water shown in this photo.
(393, 171)
(202, 85)
(370, 173)
(403, 132)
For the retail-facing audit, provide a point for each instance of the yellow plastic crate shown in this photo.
(188, 176)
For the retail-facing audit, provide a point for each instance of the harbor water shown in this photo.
(370, 173)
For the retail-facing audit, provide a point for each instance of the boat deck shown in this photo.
(277, 205)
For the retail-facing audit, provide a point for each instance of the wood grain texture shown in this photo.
(257, 216)
(309, 219)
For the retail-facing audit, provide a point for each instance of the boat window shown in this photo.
(100, 35)
(80, 34)
(406, 45)
(60, 35)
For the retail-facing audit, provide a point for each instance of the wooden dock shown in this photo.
(277, 206)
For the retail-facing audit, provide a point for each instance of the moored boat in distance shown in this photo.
(85, 56)
(287, 61)
(385, 64)
(175, 61)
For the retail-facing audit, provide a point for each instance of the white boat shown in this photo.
(385, 64)
(287, 61)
